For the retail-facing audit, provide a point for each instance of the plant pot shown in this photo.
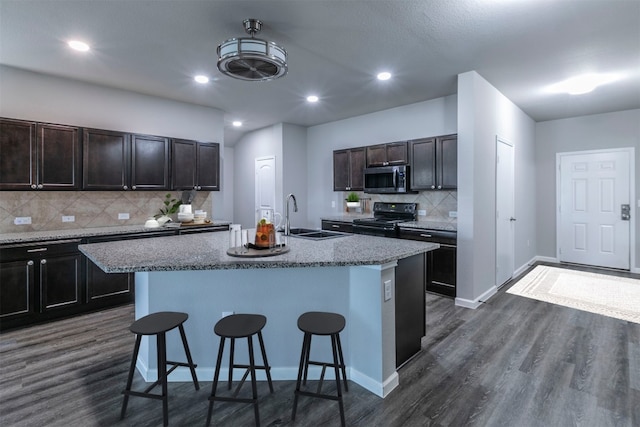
(353, 204)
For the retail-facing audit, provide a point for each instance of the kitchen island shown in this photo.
(347, 275)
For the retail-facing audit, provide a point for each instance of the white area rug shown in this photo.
(611, 296)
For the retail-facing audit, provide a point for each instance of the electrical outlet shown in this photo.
(68, 218)
(453, 214)
(227, 313)
(387, 290)
(22, 220)
(123, 215)
(422, 212)
(333, 203)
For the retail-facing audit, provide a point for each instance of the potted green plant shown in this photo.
(353, 200)
(170, 206)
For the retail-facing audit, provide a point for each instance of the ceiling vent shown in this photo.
(252, 59)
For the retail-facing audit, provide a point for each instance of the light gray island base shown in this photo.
(193, 274)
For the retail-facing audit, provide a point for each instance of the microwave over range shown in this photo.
(387, 179)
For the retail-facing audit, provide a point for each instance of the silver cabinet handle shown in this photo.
(335, 226)
(426, 235)
(43, 261)
(36, 250)
(124, 187)
(433, 187)
(40, 186)
(29, 263)
(33, 186)
(133, 187)
(439, 187)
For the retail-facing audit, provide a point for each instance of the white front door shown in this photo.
(505, 212)
(265, 184)
(592, 190)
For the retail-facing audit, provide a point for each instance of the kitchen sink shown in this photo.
(308, 233)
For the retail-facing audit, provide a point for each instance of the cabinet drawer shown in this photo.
(345, 227)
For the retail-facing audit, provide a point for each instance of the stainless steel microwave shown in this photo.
(387, 179)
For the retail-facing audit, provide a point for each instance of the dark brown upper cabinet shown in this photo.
(39, 156)
(121, 161)
(195, 165)
(149, 162)
(105, 160)
(434, 163)
(393, 153)
(348, 169)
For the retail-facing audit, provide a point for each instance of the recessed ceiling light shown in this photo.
(78, 45)
(312, 98)
(584, 83)
(237, 123)
(385, 75)
(201, 79)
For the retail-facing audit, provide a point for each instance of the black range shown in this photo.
(386, 217)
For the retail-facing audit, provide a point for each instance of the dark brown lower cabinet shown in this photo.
(440, 263)
(410, 307)
(39, 282)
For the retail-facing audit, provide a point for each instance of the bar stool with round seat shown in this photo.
(232, 327)
(321, 323)
(158, 324)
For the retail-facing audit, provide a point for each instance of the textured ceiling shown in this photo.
(335, 49)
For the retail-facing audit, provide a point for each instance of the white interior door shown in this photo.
(505, 212)
(265, 185)
(593, 187)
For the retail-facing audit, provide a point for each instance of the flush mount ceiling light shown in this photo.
(385, 75)
(237, 123)
(584, 83)
(248, 58)
(202, 79)
(312, 98)
(78, 45)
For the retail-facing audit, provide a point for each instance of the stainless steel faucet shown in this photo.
(287, 224)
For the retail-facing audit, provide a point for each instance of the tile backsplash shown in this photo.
(437, 204)
(90, 208)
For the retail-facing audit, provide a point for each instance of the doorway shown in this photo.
(593, 189)
(265, 187)
(505, 211)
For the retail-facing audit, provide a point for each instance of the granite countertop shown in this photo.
(44, 236)
(426, 223)
(208, 251)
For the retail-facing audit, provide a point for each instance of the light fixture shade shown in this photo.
(252, 59)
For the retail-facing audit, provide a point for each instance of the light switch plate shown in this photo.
(387, 290)
(68, 218)
(123, 215)
(453, 214)
(422, 212)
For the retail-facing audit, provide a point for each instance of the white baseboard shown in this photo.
(473, 304)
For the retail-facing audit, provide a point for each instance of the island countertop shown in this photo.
(209, 252)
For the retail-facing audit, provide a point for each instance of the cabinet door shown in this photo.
(149, 162)
(397, 153)
(16, 289)
(356, 169)
(17, 155)
(105, 160)
(341, 172)
(208, 166)
(376, 155)
(59, 162)
(447, 149)
(183, 169)
(345, 227)
(103, 287)
(60, 281)
(441, 270)
(423, 164)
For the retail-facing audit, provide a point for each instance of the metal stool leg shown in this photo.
(254, 388)
(189, 359)
(162, 375)
(336, 367)
(344, 371)
(303, 359)
(132, 368)
(215, 380)
(267, 368)
(232, 352)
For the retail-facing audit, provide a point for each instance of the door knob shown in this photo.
(512, 219)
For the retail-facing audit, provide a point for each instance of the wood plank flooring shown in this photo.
(512, 362)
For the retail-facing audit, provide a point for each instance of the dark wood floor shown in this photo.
(512, 362)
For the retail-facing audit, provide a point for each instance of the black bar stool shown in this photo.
(240, 326)
(158, 324)
(319, 323)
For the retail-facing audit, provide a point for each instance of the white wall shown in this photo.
(595, 132)
(484, 114)
(423, 119)
(38, 97)
(294, 139)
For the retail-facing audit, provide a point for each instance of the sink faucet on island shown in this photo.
(287, 223)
